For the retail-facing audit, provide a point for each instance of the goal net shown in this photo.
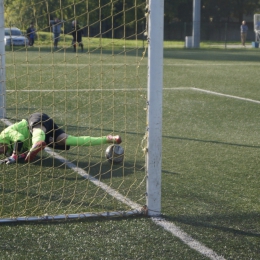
(95, 85)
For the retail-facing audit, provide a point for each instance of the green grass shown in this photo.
(210, 175)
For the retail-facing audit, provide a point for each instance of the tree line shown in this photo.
(88, 13)
(211, 10)
(114, 13)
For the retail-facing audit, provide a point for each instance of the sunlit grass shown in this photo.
(210, 159)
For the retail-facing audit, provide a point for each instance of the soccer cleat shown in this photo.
(114, 139)
(39, 146)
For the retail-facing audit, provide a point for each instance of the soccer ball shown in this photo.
(115, 153)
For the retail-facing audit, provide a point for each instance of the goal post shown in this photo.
(104, 81)
(154, 103)
(257, 27)
(2, 61)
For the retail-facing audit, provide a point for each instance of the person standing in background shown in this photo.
(243, 30)
(56, 29)
(31, 32)
(77, 34)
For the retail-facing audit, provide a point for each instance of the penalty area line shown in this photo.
(169, 226)
(225, 95)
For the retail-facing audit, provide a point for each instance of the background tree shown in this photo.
(222, 10)
(178, 10)
(100, 14)
(106, 14)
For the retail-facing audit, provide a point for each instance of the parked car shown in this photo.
(14, 36)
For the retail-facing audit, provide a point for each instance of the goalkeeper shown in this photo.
(25, 139)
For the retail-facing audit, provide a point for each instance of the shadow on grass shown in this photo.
(99, 170)
(68, 127)
(211, 141)
(206, 222)
(68, 50)
(213, 55)
(168, 172)
(94, 219)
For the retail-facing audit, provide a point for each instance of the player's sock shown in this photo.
(91, 141)
(85, 140)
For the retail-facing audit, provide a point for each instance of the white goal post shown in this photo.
(257, 27)
(155, 89)
(109, 82)
(2, 61)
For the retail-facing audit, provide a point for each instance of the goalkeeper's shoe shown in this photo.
(114, 139)
(36, 148)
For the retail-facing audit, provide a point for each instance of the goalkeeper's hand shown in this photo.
(13, 158)
(36, 148)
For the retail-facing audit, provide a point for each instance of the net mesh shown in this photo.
(94, 91)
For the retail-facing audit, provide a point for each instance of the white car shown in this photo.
(14, 36)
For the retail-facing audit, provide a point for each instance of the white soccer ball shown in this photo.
(115, 153)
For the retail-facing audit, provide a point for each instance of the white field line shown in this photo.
(169, 226)
(97, 182)
(192, 243)
(85, 175)
(225, 95)
(135, 89)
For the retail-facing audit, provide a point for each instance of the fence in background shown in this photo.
(223, 31)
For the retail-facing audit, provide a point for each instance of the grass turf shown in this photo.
(210, 176)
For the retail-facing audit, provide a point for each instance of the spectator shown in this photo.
(77, 33)
(31, 33)
(56, 29)
(243, 29)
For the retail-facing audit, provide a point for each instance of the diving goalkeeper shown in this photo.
(25, 139)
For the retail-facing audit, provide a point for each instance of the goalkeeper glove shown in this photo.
(13, 158)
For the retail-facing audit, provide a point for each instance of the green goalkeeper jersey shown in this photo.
(17, 132)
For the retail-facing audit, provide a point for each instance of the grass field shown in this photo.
(210, 175)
